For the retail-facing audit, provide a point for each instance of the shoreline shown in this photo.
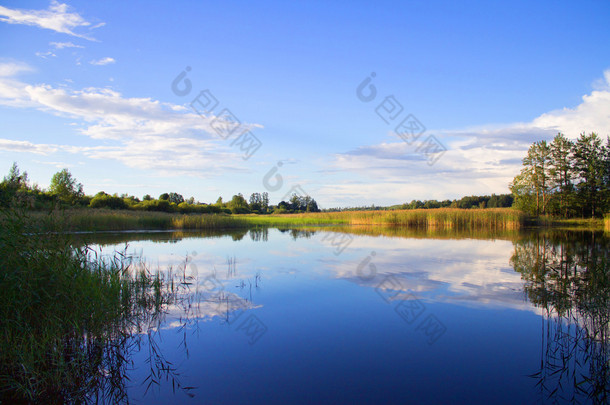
(441, 219)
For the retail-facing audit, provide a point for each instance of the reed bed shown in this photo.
(443, 218)
(67, 315)
(125, 220)
(440, 218)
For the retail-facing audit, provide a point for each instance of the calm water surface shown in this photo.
(294, 316)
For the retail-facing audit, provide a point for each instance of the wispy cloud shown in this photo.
(62, 45)
(59, 165)
(139, 132)
(11, 90)
(9, 69)
(57, 18)
(45, 55)
(103, 61)
(25, 146)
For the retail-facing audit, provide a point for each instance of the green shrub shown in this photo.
(103, 200)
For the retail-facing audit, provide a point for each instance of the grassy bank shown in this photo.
(66, 315)
(441, 218)
(123, 220)
(496, 219)
(288, 220)
(592, 224)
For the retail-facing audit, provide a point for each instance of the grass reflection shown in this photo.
(71, 320)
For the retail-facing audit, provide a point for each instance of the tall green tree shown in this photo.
(311, 205)
(256, 202)
(524, 193)
(295, 203)
(535, 179)
(15, 178)
(175, 198)
(590, 169)
(14, 183)
(238, 205)
(606, 176)
(65, 186)
(265, 202)
(562, 173)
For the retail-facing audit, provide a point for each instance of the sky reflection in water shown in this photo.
(388, 320)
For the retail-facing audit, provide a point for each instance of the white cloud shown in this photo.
(57, 18)
(59, 165)
(8, 69)
(11, 90)
(25, 146)
(103, 61)
(62, 45)
(139, 132)
(592, 115)
(480, 160)
(45, 55)
(467, 272)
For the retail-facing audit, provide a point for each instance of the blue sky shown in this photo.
(88, 86)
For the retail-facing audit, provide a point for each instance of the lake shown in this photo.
(365, 315)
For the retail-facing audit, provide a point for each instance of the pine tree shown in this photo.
(537, 171)
(590, 169)
(561, 170)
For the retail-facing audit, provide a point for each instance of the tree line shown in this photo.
(565, 178)
(65, 190)
(467, 202)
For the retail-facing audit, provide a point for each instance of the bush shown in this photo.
(103, 200)
(153, 205)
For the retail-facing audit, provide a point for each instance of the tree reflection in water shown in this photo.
(567, 276)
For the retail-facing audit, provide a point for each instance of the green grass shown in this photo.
(66, 314)
(318, 218)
